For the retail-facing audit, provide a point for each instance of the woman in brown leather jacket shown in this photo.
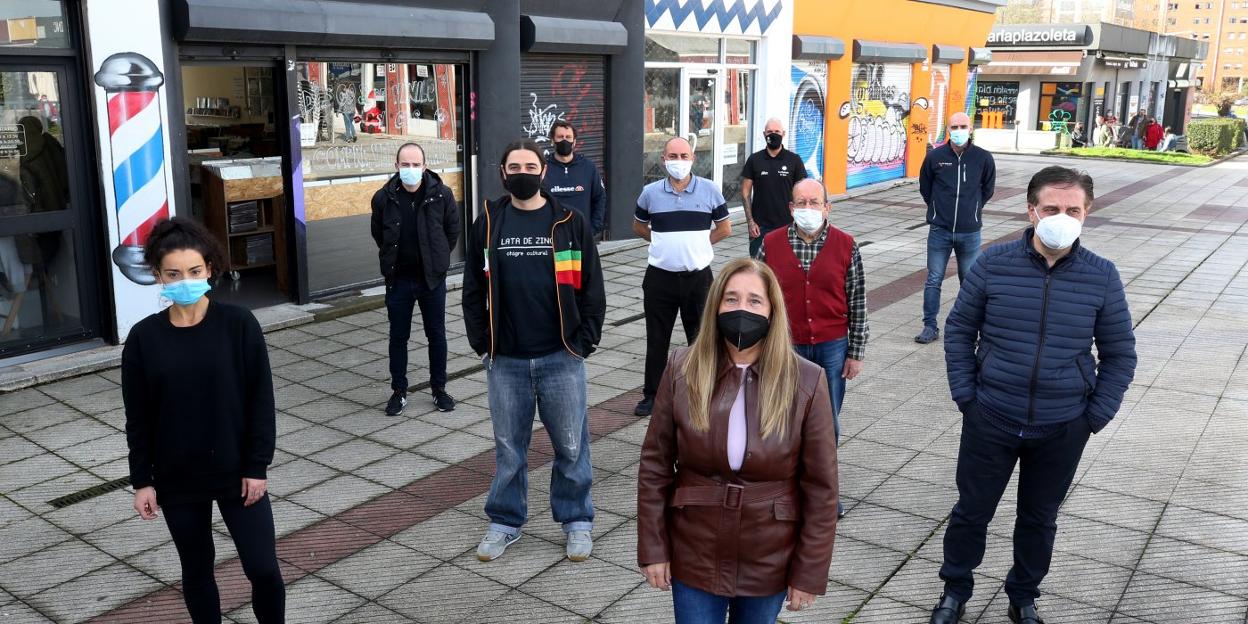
(737, 489)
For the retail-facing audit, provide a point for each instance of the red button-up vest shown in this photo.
(815, 299)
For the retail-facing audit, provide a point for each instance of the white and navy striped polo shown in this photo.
(680, 223)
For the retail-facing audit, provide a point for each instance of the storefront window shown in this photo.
(681, 48)
(739, 51)
(997, 99)
(354, 117)
(1059, 105)
(662, 101)
(738, 94)
(39, 298)
(33, 23)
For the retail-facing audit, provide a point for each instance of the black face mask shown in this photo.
(563, 148)
(523, 185)
(774, 141)
(742, 329)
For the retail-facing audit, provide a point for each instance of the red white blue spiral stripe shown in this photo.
(136, 137)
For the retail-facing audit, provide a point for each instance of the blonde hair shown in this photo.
(777, 363)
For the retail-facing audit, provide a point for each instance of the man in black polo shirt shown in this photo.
(767, 184)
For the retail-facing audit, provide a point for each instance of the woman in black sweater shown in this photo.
(200, 422)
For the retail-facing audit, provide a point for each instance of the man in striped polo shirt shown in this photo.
(682, 216)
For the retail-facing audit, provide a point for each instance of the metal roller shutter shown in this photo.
(878, 112)
(568, 87)
(806, 113)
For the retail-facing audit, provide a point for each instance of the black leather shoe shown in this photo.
(1024, 615)
(644, 407)
(948, 611)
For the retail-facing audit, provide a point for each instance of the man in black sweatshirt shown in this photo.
(416, 225)
(573, 179)
(956, 180)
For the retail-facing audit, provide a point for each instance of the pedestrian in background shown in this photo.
(1154, 135)
(533, 308)
(737, 484)
(415, 223)
(683, 216)
(820, 273)
(1077, 136)
(201, 423)
(1105, 134)
(573, 178)
(1139, 129)
(767, 181)
(956, 180)
(1018, 351)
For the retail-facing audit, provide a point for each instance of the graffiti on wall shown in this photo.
(806, 115)
(938, 112)
(878, 113)
(541, 118)
(572, 96)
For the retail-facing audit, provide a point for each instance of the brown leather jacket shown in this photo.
(754, 532)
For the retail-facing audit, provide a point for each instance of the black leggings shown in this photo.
(252, 530)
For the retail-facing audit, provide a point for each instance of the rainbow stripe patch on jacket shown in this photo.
(568, 267)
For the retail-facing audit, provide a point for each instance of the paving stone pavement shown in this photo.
(378, 517)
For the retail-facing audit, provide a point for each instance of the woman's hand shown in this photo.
(145, 503)
(658, 575)
(253, 489)
(799, 599)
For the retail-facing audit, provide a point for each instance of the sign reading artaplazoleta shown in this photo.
(1070, 35)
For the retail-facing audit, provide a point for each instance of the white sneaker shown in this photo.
(580, 544)
(493, 544)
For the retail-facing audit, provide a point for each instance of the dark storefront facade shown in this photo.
(279, 120)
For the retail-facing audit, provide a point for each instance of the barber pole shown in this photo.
(136, 141)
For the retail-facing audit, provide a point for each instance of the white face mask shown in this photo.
(1058, 231)
(808, 220)
(678, 169)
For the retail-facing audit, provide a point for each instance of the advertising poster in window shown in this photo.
(806, 114)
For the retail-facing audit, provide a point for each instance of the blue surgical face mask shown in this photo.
(185, 292)
(959, 137)
(411, 176)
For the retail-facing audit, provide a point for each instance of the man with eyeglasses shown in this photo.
(956, 180)
(820, 271)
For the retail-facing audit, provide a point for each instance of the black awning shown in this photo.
(947, 53)
(888, 52)
(571, 36)
(330, 23)
(813, 48)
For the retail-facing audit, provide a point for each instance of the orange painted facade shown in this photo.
(892, 21)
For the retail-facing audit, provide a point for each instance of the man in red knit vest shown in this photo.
(820, 272)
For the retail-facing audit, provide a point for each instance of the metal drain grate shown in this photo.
(89, 493)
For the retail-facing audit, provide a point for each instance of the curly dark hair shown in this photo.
(182, 233)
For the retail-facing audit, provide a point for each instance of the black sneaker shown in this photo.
(397, 402)
(644, 407)
(444, 401)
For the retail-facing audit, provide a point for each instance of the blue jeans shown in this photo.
(830, 356)
(757, 243)
(940, 243)
(349, 131)
(694, 606)
(402, 296)
(1137, 142)
(555, 385)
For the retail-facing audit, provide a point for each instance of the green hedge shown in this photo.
(1215, 137)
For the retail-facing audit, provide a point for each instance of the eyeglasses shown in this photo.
(809, 204)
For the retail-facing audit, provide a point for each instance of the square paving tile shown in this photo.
(350, 455)
(445, 594)
(94, 593)
(337, 494)
(586, 588)
(378, 569)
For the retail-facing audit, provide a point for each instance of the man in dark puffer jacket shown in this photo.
(1018, 349)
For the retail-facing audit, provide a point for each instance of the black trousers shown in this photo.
(402, 296)
(190, 524)
(986, 461)
(664, 294)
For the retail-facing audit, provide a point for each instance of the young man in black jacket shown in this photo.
(573, 179)
(415, 224)
(534, 304)
(956, 180)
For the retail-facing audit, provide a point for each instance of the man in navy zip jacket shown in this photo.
(956, 180)
(573, 179)
(1018, 350)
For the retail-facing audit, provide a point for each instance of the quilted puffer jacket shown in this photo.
(1019, 339)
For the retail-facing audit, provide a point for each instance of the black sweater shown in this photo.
(199, 404)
